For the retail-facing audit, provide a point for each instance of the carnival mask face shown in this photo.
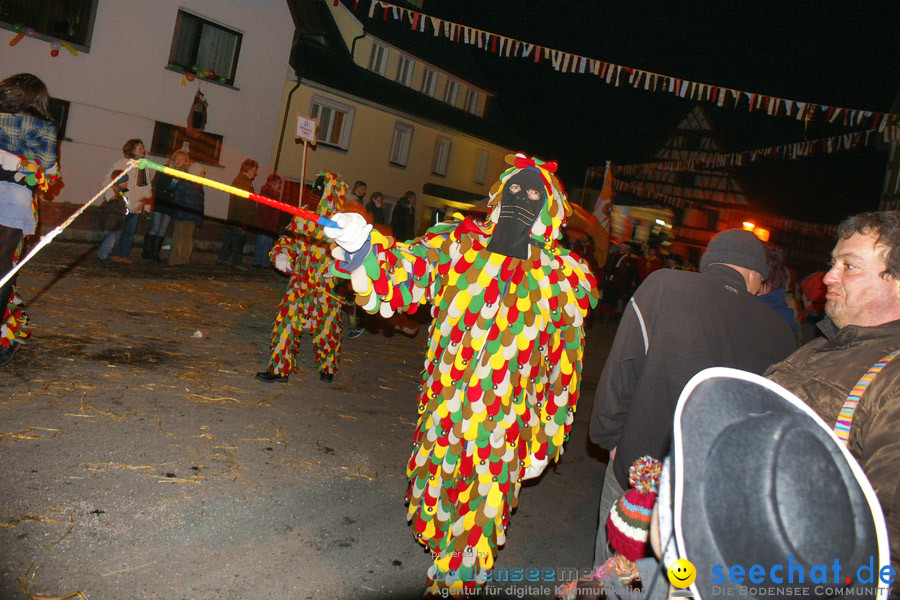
(523, 197)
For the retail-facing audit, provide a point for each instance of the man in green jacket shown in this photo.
(862, 329)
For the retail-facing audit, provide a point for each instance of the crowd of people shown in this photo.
(741, 430)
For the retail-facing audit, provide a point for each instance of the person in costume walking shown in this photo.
(310, 302)
(503, 367)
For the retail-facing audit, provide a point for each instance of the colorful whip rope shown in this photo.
(59, 229)
(294, 210)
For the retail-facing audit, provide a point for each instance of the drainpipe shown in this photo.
(287, 108)
(353, 45)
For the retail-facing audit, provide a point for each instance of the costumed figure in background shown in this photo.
(311, 302)
(503, 366)
(27, 168)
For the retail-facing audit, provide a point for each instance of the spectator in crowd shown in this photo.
(113, 214)
(812, 296)
(773, 290)
(163, 205)
(140, 197)
(677, 324)
(375, 206)
(267, 218)
(649, 262)
(241, 215)
(849, 377)
(187, 213)
(403, 218)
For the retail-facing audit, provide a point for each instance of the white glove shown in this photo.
(353, 233)
(535, 468)
(282, 262)
(9, 161)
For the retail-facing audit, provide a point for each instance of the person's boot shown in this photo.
(6, 354)
(270, 377)
(157, 246)
(147, 250)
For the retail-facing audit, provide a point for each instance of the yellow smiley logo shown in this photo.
(682, 573)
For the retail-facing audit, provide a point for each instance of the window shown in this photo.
(405, 68)
(481, 164)
(441, 156)
(472, 102)
(206, 48)
(202, 146)
(378, 58)
(401, 144)
(71, 21)
(451, 92)
(429, 82)
(335, 121)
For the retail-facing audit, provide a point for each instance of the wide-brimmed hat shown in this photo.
(755, 477)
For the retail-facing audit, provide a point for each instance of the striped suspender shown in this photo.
(845, 418)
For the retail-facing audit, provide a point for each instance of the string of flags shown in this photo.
(620, 75)
(829, 145)
(804, 227)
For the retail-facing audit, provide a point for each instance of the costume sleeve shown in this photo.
(400, 276)
(293, 247)
(618, 381)
(557, 412)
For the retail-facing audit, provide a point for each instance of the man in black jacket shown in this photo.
(677, 324)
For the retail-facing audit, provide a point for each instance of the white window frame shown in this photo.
(451, 92)
(378, 59)
(441, 160)
(405, 69)
(429, 81)
(401, 143)
(324, 109)
(481, 165)
(472, 97)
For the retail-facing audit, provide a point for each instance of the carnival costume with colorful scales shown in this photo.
(310, 302)
(501, 379)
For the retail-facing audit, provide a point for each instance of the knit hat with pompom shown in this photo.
(628, 525)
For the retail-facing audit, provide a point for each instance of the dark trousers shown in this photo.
(232, 250)
(9, 240)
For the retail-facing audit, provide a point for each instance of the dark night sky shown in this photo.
(835, 53)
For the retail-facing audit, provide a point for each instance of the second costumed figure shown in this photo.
(311, 302)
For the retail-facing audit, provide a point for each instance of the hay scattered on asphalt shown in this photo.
(42, 518)
(27, 582)
(29, 434)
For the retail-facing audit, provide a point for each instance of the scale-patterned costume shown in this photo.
(14, 324)
(310, 302)
(502, 372)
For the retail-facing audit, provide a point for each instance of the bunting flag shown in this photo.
(645, 80)
(829, 145)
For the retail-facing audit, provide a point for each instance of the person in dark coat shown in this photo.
(677, 324)
(241, 216)
(403, 219)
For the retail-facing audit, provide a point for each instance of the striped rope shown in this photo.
(845, 417)
(49, 237)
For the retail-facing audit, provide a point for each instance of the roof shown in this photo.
(319, 54)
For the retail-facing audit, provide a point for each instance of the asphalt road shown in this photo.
(139, 458)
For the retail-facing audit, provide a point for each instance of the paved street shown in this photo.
(139, 458)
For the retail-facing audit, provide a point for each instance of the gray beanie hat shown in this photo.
(736, 247)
